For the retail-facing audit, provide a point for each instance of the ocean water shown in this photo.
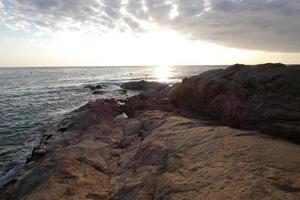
(33, 99)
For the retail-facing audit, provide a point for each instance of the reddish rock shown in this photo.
(264, 97)
(144, 85)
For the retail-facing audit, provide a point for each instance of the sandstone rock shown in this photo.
(249, 97)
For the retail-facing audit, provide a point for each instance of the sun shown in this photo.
(162, 73)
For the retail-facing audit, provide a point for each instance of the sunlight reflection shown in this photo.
(162, 73)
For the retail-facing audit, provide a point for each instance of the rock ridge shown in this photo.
(264, 97)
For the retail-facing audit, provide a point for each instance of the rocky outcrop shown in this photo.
(90, 114)
(150, 101)
(144, 85)
(264, 97)
(160, 155)
(148, 149)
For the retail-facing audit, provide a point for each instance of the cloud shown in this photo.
(272, 25)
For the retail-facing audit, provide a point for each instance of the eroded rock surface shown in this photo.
(264, 97)
(166, 157)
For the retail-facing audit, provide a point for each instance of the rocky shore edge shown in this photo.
(176, 142)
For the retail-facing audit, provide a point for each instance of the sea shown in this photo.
(32, 100)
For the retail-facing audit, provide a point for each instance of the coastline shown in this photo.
(169, 146)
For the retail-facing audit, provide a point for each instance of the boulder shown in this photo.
(262, 97)
(93, 87)
(99, 87)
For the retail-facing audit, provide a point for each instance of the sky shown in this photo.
(148, 32)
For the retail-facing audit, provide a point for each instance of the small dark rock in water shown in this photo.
(38, 152)
(98, 87)
(98, 92)
(64, 125)
(93, 88)
(47, 136)
(122, 91)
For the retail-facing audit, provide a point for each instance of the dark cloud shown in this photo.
(253, 24)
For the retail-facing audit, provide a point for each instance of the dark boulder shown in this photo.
(93, 87)
(264, 97)
(99, 87)
(98, 92)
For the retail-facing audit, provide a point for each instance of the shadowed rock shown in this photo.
(144, 85)
(266, 97)
(90, 114)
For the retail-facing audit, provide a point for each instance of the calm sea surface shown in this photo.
(33, 99)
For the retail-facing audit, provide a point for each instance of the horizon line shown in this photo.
(104, 66)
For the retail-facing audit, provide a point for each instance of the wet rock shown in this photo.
(39, 151)
(93, 87)
(122, 91)
(98, 92)
(99, 87)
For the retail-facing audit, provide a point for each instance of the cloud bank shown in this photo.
(272, 25)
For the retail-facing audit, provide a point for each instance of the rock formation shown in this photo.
(159, 151)
(264, 97)
(144, 85)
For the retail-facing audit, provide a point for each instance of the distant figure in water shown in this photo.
(146, 75)
(130, 74)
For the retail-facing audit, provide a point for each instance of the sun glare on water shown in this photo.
(162, 73)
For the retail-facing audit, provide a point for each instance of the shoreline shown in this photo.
(168, 146)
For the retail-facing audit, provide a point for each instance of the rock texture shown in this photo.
(144, 85)
(159, 152)
(159, 155)
(264, 97)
